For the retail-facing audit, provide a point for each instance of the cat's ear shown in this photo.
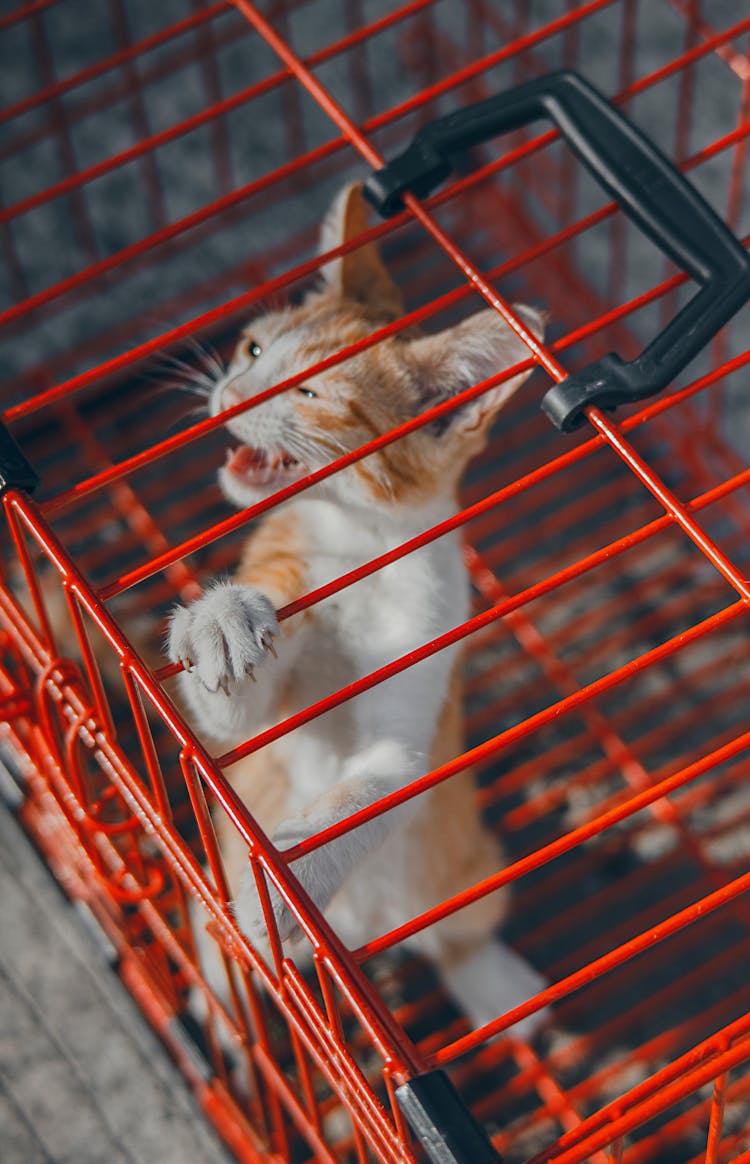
(455, 359)
(360, 274)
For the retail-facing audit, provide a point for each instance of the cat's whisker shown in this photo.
(326, 770)
(190, 389)
(160, 385)
(309, 447)
(197, 410)
(335, 443)
(208, 356)
(212, 364)
(171, 374)
(168, 365)
(296, 444)
(317, 452)
(181, 367)
(198, 382)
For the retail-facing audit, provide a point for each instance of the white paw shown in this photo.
(223, 635)
(251, 919)
(493, 979)
(317, 873)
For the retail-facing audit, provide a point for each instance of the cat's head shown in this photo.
(339, 410)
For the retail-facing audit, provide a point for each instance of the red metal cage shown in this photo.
(165, 168)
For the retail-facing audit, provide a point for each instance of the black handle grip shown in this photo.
(648, 188)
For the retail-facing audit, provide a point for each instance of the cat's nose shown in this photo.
(231, 395)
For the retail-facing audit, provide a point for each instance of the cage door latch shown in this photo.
(648, 188)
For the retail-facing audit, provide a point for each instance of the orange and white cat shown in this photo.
(379, 875)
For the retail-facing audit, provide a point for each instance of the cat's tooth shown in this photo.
(187, 664)
(250, 672)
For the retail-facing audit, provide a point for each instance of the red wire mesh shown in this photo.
(605, 684)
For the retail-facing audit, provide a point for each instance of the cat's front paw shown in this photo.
(316, 872)
(251, 918)
(224, 635)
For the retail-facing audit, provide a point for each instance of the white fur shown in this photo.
(359, 752)
(493, 979)
(368, 880)
(363, 627)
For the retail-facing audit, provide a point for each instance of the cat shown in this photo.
(244, 672)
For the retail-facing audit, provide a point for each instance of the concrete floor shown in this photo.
(83, 1079)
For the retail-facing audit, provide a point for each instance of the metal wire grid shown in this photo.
(605, 681)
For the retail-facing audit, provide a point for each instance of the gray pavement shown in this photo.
(83, 1079)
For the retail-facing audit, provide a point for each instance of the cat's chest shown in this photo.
(381, 612)
(385, 612)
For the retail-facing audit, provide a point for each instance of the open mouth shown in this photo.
(259, 467)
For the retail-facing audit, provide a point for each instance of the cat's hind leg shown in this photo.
(450, 851)
(369, 775)
(487, 979)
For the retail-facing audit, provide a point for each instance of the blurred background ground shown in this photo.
(83, 1080)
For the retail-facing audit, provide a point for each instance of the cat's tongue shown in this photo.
(256, 466)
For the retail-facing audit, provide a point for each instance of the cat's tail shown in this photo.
(491, 979)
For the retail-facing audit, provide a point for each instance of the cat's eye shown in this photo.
(308, 392)
(253, 349)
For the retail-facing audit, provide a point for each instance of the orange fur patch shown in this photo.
(275, 559)
(457, 850)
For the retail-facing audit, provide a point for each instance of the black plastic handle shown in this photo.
(648, 188)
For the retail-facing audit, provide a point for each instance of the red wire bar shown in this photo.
(114, 472)
(736, 61)
(336, 114)
(479, 622)
(149, 144)
(493, 500)
(671, 504)
(175, 334)
(104, 65)
(203, 427)
(664, 1046)
(613, 753)
(713, 1145)
(415, 317)
(245, 515)
(24, 12)
(594, 970)
(318, 58)
(386, 1033)
(475, 755)
(236, 197)
(632, 804)
(703, 1064)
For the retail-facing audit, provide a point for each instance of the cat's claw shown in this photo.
(222, 636)
(267, 641)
